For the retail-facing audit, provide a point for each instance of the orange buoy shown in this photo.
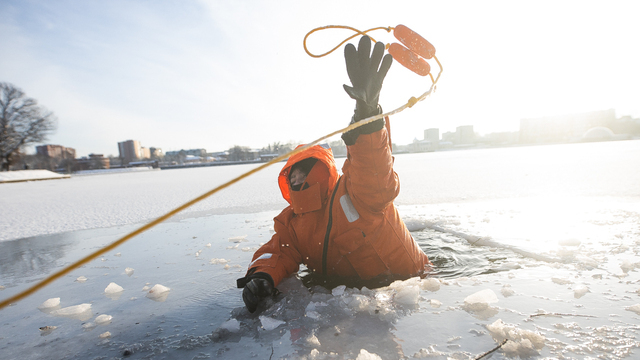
(409, 60)
(414, 42)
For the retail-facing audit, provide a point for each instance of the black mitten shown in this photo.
(366, 73)
(259, 286)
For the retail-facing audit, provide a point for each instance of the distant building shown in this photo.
(432, 135)
(564, 128)
(145, 153)
(220, 155)
(155, 152)
(464, 135)
(93, 162)
(449, 136)
(56, 151)
(195, 152)
(423, 145)
(129, 150)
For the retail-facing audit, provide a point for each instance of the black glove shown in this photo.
(366, 75)
(256, 289)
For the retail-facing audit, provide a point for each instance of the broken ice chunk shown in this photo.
(435, 303)
(313, 314)
(312, 340)
(82, 312)
(128, 271)
(523, 343)
(81, 279)
(627, 266)
(158, 293)
(357, 303)
(507, 290)
(105, 335)
(113, 288)
(580, 291)
(51, 303)
(430, 284)
(270, 323)
(215, 261)
(338, 290)
(231, 325)
(561, 281)
(103, 319)
(208, 245)
(71, 310)
(407, 295)
(480, 300)
(635, 308)
(365, 355)
(158, 289)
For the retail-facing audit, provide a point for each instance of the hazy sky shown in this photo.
(213, 74)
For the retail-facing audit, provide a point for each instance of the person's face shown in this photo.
(297, 177)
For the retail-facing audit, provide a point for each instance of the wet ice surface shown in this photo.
(554, 238)
(584, 303)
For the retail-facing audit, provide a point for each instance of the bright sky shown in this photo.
(213, 74)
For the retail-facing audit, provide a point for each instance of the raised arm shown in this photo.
(370, 178)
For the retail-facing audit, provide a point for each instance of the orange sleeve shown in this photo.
(368, 170)
(279, 257)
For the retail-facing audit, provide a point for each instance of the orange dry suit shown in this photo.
(344, 226)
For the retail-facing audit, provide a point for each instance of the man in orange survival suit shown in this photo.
(342, 226)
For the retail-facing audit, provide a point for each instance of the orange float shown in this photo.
(417, 49)
(409, 59)
(414, 42)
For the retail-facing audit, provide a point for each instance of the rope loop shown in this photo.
(357, 32)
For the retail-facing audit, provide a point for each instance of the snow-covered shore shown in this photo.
(29, 175)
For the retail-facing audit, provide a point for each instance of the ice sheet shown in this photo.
(583, 304)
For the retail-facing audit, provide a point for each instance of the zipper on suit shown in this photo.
(329, 224)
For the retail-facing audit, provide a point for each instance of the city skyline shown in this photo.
(554, 123)
(571, 127)
(196, 74)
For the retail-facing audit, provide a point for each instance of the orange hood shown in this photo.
(321, 179)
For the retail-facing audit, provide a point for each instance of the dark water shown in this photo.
(452, 257)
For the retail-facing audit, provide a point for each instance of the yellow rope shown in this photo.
(39, 285)
(357, 32)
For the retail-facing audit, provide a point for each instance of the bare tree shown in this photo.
(22, 122)
(239, 153)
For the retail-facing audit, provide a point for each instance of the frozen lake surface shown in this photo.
(539, 245)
